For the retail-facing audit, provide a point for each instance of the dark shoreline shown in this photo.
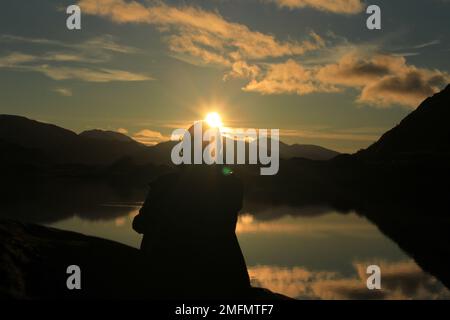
(34, 260)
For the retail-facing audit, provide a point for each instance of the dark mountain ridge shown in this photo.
(424, 132)
(61, 146)
(106, 135)
(97, 147)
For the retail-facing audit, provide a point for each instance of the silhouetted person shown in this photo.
(188, 221)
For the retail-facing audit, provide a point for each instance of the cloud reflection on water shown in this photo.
(400, 280)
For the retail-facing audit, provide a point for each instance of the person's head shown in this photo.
(199, 127)
(197, 133)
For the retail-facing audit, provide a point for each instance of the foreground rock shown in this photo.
(34, 260)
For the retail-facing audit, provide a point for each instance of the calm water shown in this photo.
(306, 253)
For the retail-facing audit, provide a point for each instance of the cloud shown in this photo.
(118, 10)
(205, 37)
(427, 44)
(106, 43)
(334, 6)
(89, 75)
(122, 130)
(149, 137)
(287, 77)
(202, 34)
(384, 79)
(352, 70)
(185, 44)
(97, 49)
(65, 92)
(15, 58)
(242, 69)
(13, 38)
(408, 89)
(79, 59)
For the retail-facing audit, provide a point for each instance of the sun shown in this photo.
(213, 119)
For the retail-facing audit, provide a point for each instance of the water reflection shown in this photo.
(400, 280)
(116, 228)
(305, 252)
(305, 256)
(325, 257)
(316, 226)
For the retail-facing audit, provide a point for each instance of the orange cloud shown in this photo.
(352, 70)
(288, 77)
(122, 130)
(149, 137)
(335, 6)
(242, 69)
(205, 37)
(203, 34)
(383, 79)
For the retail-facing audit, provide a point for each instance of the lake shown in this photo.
(304, 253)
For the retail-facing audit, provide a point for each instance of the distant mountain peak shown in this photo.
(31, 133)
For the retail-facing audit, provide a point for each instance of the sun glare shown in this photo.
(213, 119)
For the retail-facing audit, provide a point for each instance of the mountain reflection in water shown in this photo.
(306, 253)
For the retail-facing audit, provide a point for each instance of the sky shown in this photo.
(310, 68)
